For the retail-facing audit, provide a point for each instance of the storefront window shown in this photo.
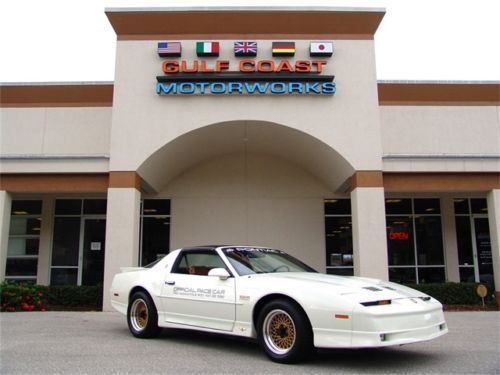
(400, 241)
(429, 240)
(403, 275)
(473, 240)
(66, 242)
(24, 240)
(338, 231)
(74, 261)
(155, 230)
(415, 240)
(398, 206)
(464, 240)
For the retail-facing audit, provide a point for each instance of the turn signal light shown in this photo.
(341, 316)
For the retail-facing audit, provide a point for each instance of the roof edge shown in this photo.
(246, 8)
(433, 93)
(66, 94)
(250, 22)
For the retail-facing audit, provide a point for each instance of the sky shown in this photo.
(72, 40)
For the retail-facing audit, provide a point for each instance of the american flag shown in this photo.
(169, 49)
(245, 48)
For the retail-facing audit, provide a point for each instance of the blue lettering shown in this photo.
(312, 87)
(246, 87)
(278, 88)
(260, 87)
(187, 88)
(295, 87)
(235, 87)
(217, 88)
(329, 88)
(162, 88)
(202, 86)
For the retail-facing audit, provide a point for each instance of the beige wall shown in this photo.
(346, 118)
(33, 139)
(444, 133)
(250, 199)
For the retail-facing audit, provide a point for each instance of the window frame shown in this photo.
(413, 216)
(143, 215)
(26, 237)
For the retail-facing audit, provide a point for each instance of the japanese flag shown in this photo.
(321, 49)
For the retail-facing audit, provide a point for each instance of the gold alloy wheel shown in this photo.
(279, 331)
(139, 314)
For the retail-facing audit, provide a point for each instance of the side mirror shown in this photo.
(221, 273)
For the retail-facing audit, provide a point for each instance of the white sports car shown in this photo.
(269, 295)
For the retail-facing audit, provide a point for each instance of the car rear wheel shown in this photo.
(284, 332)
(142, 316)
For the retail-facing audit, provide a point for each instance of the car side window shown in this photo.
(198, 262)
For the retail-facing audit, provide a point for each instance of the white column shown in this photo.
(5, 207)
(122, 235)
(369, 232)
(450, 240)
(493, 199)
(45, 248)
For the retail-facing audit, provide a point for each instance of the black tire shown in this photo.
(284, 332)
(142, 317)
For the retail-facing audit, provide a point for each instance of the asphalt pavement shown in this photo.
(99, 343)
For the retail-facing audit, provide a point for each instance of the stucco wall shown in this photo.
(31, 135)
(250, 199)
(455, 138)
(347, 121)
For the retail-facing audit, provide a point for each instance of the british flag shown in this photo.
(245, 48)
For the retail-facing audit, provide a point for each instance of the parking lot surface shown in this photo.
(99, 343)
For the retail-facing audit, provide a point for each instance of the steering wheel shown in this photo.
(283, 266)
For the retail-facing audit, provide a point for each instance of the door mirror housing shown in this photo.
(221, 273)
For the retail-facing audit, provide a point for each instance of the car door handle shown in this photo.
(170, 282)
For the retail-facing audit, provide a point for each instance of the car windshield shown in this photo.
(249, 261)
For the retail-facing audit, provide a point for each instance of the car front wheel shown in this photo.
(142, 316)
(284, 332)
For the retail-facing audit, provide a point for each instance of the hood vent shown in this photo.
(372, 288)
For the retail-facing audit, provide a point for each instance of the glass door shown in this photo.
(94, 234)
(483, 249)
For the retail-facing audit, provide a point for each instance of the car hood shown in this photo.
(357, 288)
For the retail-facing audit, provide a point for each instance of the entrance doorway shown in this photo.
(473, 240)
(94, 234)
(79, 242)
(482, 250)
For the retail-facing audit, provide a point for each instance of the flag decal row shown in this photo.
(244, 49)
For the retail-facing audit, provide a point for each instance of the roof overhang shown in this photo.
(232, 22)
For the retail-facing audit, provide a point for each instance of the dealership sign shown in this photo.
(246, 76)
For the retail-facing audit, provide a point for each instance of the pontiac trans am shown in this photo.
(267, 294)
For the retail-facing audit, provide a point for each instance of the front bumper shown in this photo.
(403, 322)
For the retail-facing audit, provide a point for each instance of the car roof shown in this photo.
(213, 247)
(202, 247)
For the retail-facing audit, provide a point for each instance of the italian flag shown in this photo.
(207, 48)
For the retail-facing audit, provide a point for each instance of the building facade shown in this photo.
(250, 126)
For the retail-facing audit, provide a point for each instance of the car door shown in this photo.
(191, 297)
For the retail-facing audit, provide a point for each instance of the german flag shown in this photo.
(283, 48)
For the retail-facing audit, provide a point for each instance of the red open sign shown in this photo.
(401, 235)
